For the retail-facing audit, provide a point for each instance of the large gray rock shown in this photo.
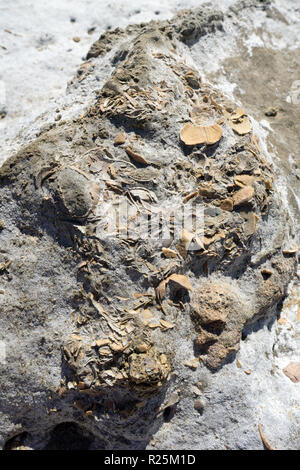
(120, 338)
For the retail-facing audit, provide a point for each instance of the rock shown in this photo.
(271, 111)
(120, 139)
(148, 369)
(220, 313)
(80, 265)
(199, 405)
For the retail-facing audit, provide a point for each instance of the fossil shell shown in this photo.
(244, 180)
(193, 364)
(136, 156)
(169, 253)
(120, 139)
(238, 114)
(194, 135)
(101, 342)
(166, 324)
(182, 280)
(227, 204)
(292, 371)
(243, 195)
(291, 251)
(243, 127)
(251, 219)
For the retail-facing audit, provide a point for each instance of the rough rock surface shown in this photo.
(103, 327)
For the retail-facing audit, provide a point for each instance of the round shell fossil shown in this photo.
(194, 135)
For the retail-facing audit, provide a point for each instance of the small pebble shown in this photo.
(196, 390)
(271, 112)
(141, 348)
(192, 364)
(120, 139)
(76, 39)
(199, 405)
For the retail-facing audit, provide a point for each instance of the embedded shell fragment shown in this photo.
(242, 126)
(195, 135)
(239, 121)
(243, 195)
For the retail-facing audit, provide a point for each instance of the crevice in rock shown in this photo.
(69, 436)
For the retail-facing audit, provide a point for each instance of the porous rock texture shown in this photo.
(118, 341)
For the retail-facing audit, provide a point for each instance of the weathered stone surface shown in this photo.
(220, 313)
(82, 355)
